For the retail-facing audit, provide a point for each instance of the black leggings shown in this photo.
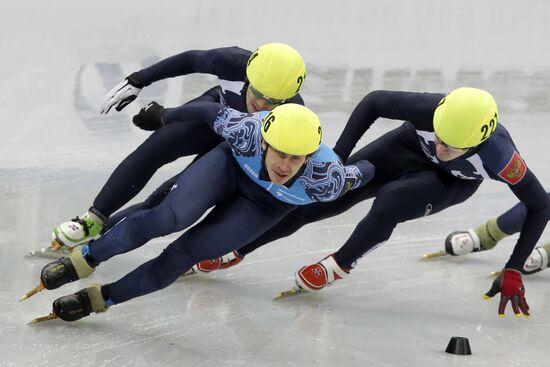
(163, 146)
(406, 185)
(242, 210)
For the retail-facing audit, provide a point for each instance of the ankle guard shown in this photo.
(80, 264)
(489, 234)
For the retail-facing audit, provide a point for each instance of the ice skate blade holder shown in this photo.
(459, 346)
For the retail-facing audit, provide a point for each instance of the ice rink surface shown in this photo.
(58, 60)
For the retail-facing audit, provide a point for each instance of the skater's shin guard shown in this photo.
(489, 234)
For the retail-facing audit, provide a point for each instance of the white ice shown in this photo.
(58, 59)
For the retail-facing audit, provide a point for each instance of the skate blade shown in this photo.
(290, 293)
(32, 292)
(45, 253)
(51, 316)
(55, 251)
(431, 255)
(494, 274)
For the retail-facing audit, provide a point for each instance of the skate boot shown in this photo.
(223, 262)
(537, 261)
(317, 276)
(314, 277)
(68, 269)
(80, 304)
(462, 243)
(483, 237)
(77, 232)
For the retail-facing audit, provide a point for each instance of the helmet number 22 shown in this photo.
(488, 129)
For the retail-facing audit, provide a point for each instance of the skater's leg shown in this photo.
(206, 183)
(487, 235)
(226, 227)
(218, 175)
(412, 196)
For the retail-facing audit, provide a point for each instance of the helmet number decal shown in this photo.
(268, 120)
(300, 81)
(488, 129)
(252, 57)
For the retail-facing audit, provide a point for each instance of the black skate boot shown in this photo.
(80, 304)
(66, 270)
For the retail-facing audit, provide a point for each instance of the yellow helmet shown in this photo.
(292, 129)
(276, 70)
(465, 118)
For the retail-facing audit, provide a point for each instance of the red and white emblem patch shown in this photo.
(514, 170)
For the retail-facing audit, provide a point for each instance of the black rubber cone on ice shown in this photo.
(459, 345)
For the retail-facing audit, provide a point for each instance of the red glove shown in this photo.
(511, 288)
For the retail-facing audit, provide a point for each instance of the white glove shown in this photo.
(121, 95)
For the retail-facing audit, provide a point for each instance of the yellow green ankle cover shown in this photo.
(489, 234)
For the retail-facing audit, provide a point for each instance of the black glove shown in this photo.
(149, 117)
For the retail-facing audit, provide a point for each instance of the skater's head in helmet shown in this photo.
(464, 119)
(275, 73)
(291, 133)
